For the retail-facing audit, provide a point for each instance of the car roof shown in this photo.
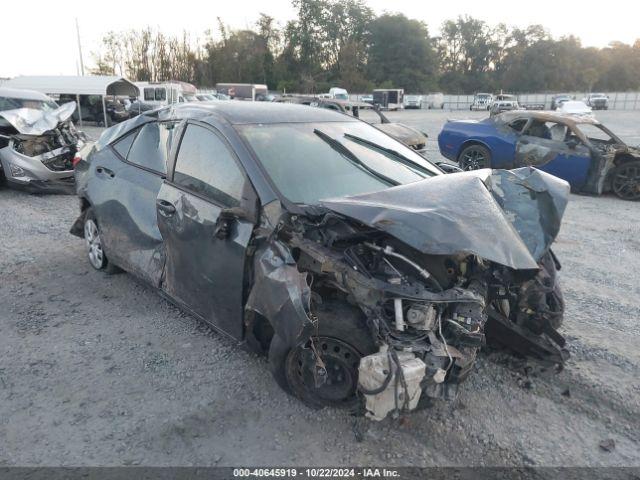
(548, 116)
(239, 112)
(23, 94)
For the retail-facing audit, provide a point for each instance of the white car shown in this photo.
(434, 101)
(481, 101)
(597, 101)
(575, 107)
(413, 101)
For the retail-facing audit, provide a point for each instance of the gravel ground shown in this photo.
(99, 370)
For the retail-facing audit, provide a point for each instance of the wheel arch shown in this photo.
(77, 228)
(470, 142)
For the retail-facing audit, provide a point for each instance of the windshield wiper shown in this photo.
(348, 154)
(398, 156)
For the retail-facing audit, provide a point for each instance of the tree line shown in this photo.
(343, 43)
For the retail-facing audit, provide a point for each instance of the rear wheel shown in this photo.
(625, 181)
(323, 372)
(93, 243)
(474, 157)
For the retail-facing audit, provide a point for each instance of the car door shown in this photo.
(545, 145)
(126, 184)
(206, 214)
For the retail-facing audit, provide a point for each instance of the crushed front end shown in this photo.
(383, 300)
(36, 154)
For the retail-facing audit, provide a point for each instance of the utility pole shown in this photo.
(80, 48)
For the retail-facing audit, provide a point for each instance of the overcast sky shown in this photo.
(45, 43)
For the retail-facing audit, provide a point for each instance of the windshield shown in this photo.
(309, 162)
(341, 96)
(9, 103)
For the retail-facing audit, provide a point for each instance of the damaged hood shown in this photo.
(510, 217)
(30, 121)
(403, 133)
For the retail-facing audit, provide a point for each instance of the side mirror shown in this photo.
(448, 168)
(572, 144)
(225, 219)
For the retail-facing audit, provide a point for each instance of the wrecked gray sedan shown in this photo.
(368, 277)
(38, 142)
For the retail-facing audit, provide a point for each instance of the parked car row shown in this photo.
(504, 102)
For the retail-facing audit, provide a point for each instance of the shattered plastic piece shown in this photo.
(374, 373)
(608, 445)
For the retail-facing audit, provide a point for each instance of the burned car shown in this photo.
(411, 137)
(38, 142)
(574, 147)
(368, 277)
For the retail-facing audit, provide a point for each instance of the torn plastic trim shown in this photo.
(280, 293)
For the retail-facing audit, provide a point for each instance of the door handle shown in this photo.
(165, 208)
(105, 171)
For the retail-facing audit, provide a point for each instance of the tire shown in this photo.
(625, 181)
(342, 340)
(474, 157)
(93, 244)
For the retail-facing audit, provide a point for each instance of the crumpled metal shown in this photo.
(280, 293)
(509, 217)
(31, 121)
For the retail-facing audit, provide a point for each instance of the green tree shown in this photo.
(401, 53)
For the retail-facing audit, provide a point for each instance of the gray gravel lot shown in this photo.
(99, 370)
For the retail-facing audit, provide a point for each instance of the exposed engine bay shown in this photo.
(37, 148)
(426, 314)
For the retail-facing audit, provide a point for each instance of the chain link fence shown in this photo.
(617, 100)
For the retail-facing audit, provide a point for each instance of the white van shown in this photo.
(158, 94)
(338, 93)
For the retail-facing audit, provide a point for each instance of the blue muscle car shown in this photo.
(576, 148)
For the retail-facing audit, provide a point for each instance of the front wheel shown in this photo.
(474, 157)
(323, 372)
(625, 181)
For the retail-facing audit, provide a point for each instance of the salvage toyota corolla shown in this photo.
(369, 278)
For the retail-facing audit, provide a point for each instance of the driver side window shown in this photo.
(206, 166)
(554, 131)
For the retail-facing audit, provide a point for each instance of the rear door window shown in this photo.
(206, 166)
(151, 147)
(123, 145)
